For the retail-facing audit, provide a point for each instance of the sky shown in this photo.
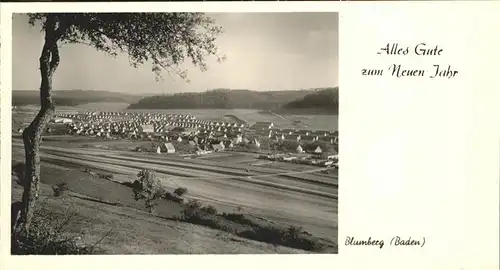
(264, 51)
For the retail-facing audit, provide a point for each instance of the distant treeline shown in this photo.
(325, 99)
(321, 99)
(71, 97)
(238, 99)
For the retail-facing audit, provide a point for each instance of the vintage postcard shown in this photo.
(173, 129)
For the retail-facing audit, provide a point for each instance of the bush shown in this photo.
(292, 237)
(293, 233)
(180, 191)
(148, 188)
(173, 197)
(109, 176)
(210, 209)
(60, 189)
(241, 225)
(238, 218)
(191, 209)
(46, 237)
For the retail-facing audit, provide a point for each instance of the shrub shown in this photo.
(210, 209)
(109, 176)
(240, 225)
(148, 188)
(180, 191)
(238, 218)
(173, 197)
(60, 189)
(191, 209)
(293, 233)
(46, 237)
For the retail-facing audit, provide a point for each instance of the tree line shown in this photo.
(237, 99)
(327, 99)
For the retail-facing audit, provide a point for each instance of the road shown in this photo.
(266, 192)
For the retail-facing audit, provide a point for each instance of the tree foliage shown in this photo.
(166, 40)
(148, 188)
(327, 99)
(222, 99)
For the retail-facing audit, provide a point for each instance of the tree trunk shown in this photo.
(32, 135)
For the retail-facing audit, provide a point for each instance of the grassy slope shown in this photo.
(134, 231)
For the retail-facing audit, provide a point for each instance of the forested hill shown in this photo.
(72, 97)
(322, 100)
(223, 99)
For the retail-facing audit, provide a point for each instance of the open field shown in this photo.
(305, 199)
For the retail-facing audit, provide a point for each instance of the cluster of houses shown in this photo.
(171, 130)
(267, 129)
(145, 126)
(310, 155)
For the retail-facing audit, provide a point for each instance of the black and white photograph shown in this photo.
(175, 133)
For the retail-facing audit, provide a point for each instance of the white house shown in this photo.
(217, 147)
(147, 128)
(299, 149)
(257, 143)
(63, 120)
(169, 148)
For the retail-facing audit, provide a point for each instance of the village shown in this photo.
(184, 134)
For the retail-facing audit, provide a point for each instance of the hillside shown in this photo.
(156, 236)
(222, 99)
(72, 97)
(324, 100)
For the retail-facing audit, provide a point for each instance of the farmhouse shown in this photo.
(292, 137)
(63, 120)
(217, 147)
(169, 148)
(320, 133)
(303, 132)
(299, 149)
(318, 150)
(280, 137)
(256, 142)
(289, 158)
(314, 149)
(147, 128)
(309, 138)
